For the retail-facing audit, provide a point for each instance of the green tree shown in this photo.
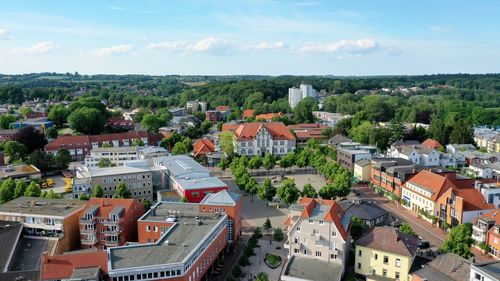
(5, 120)
(267, 224)
(98, 191)
(309, 191)
(462, 132)
(51, 133)
(33, 190)
(269, 162)
(7, 190)
(251, 187)
(84, 197)
(288, 193)
(342, 182)
(15, 150)
(152, 123)
(147, 204)
(255, 162)
(226, 142)
(362, 132)
(138, 142)
(302, 159)
(278, 235)
(41, 160)
(122, 191)
(59, 115)
(25, 110)
(20, 188)
(266, 191)
(62, 159)
(179, 148)
(303, 112)
(357, 227)
(236, 272)
(459, 240)
(223, 164)
(287, 161)
(105, 163)
(89, 121)
(407, 229)
(205, 126)
(262, 277)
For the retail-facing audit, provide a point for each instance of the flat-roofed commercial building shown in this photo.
(45, 217)
(178, 241)
(190, 179)
(108, 222)
(20, 171)
(120, 155)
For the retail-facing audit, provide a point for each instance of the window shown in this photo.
(334, 233)
(148, 228)
(376, 256)
(384, 272)
(319, 243)
(296, 251)
(333, 256)
(305, 252)
(311, 221)
(359, 253)
(321, 222)
(155, 229)
(398, 263)
(318, 253)
(386, 259)
(359, 265)
(298, 228)
(397, 275)
(195, 194)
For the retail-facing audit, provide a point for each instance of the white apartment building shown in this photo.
(329, 118)
(120, 155)
(294, 96)
(307, 91)
(418, 154)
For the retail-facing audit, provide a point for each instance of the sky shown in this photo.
(262, 37)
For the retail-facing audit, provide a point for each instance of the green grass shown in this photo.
(273, 261)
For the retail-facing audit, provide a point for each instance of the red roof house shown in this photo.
(203, 147)
(431, 143)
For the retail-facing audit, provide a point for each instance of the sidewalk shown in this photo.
(258, 264)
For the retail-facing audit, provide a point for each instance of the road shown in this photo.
(433, 235)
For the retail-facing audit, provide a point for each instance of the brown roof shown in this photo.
(389, 239)
(59, 267)
(308, 130)
(493, 215)
(119, 121)
(268, 116)
(473, 199)
(278, 131)
(203, 146)
(431, 143)
(230, 127)
(435, 183)
(222, 108)
(247, 113)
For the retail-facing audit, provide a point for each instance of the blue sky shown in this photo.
(218, 37)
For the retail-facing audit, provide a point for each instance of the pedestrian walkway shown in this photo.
(258, 264)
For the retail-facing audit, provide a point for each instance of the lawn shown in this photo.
(272, 260)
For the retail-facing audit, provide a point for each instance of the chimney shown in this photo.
(45, 257)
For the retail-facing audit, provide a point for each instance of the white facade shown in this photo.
(307, 91)
(417, 156)
(262, 144)
(294, 96)
(485, 272)
(418, 198)
(491, 193)
(120, 155)
(329, 118)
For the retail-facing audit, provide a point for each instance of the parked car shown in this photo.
(424, 244)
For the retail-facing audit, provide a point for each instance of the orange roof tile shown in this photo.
(247, 113)
(431, 143)
(62, 266)
(268, 116)
(435, 183)
(230, 127)
(277, 130)
(203, 146)
(222, 108)
(334, 214)
(473, 199)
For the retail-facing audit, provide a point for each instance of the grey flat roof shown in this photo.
(182, 238)
(9, 234)
(201, 183)
(87, 272)
(312, 269)
(490, 268)
(42, 206)
(181, 164)
(223, 197)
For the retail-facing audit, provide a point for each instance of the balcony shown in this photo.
(110, 222)
(88, 231)
(87, 221)
(110, 243)
(89, 242)
(112, 232)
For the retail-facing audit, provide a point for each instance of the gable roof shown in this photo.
(10, 231)
(247, 113)
(473, 199)
(223, 197)
(338, 138)
(432, 182)
(431, 143)
(63, 266)
(268, 116)
(278, 131)
(222, 108)
(203, 146)
(446, 267)
(389, 239)
(230, 127)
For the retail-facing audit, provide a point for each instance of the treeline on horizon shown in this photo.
(474, 98)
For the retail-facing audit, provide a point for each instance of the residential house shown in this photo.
(203, 147)
(338, 139)
(485, 271)
(109, 222)
(329, 118)
(485, 171)
(431, 143)
(120, 124)
(79, 146)
(268, 117)
(385, 252)
(490, 192)
(224, 111)
(485, 229)
(247, 113)
(349, 153)
(418, 154)
(445, 267)
(177, 111)
(263, 138)
(318, 231)
(391, 174)
(457, 148)
(487, 138)
(305, 132)
(8, 135)
(368, 211)
(46, 218)
(213, 116)
(476, 157)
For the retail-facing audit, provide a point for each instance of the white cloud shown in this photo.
(440, 28)
(4, 33)
(266, 46)
(344, 46)
(208, 44)
(39, 48)
(113, 50)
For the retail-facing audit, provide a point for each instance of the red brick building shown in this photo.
(391, 173)
(79, 146)
(109, 222)
(78, 265)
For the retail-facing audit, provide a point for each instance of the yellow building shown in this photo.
(362, 170)
(385, 252)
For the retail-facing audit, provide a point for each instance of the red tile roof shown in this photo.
(308, 131)
(203, 146)
(222, 108)
(334, 214)
(268, 116)
(119, 121)
(247, 113)
(473, 199)
(62, 266)
(435, 183)
(431, 143)
(493, 215)
(277, 130)
(230, 127)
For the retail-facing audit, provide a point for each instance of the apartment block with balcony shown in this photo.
(317, 230)
(109, 222)
(349, 153)
(486, 229)
(46, 218)
(391, 173)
